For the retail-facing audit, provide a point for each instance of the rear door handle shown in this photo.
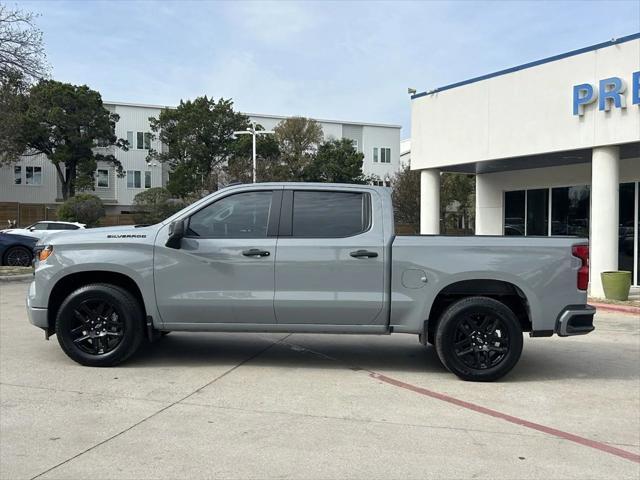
(363, 254)
(255, 252)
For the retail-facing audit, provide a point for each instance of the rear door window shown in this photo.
(329, 214)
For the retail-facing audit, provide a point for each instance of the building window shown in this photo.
(133, 178)
(538, 212)
(354, 143)
(17, 175)
(382, 155)
(627, 230)
(103, 178)
(570, 211)
(385, 155)
(33, 176)
(143, 140)
(514, 213)
(526, 212)
(130, 139)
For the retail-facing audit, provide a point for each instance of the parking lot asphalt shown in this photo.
(260, 406)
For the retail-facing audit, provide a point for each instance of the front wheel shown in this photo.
(479, 339)
(100, 325)
(18, 257)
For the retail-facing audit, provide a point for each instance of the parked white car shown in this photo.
(42, 229)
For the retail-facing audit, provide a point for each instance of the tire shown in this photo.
(100, 325)
(479, 339)
(18, 256)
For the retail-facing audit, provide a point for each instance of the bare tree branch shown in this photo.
(21, 44)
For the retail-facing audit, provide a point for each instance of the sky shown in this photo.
(344, 60)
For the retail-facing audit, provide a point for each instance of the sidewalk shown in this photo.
(630, 307)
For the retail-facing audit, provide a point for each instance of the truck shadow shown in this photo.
(551, 360)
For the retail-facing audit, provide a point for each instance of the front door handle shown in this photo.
(363, 254)
(255, 252)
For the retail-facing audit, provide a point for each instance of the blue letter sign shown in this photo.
(582, 95)
(610, 91)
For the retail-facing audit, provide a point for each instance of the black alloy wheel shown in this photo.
(100, 325)
(97, 327)
(18, 257)
(479, 339)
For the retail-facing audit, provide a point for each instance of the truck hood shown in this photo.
(142, 234)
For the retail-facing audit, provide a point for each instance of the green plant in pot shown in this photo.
(616, 285)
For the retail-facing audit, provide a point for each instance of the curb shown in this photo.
(610, 307)
(25, 277)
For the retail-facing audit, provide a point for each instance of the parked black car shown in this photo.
(16, 250)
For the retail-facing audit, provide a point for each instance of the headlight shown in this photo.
(44, 253)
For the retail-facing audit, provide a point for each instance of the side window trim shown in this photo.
(272, 221)
(286, 213)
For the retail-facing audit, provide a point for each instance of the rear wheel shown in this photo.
(479, 339)
(100, 325)
(18, 257)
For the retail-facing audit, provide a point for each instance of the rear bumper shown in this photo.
(575, 320)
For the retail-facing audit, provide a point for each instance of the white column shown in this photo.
(605, 181)
(430, 201)
(489, 207)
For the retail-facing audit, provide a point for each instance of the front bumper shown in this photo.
(37, 316)
(575, 320)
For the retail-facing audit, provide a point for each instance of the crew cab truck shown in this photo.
(307, 258)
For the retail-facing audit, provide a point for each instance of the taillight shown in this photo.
(582, 252)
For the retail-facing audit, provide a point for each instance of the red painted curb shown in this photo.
(610, 307)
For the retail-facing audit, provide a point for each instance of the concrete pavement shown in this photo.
(305, 406)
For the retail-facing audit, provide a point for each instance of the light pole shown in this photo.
(254, 133)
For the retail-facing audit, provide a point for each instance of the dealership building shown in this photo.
(554, 144)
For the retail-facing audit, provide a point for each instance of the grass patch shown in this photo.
(9, 271)
(628, 303)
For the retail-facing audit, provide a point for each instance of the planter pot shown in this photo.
(616, 285)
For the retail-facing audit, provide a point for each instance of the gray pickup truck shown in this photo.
(307, 258)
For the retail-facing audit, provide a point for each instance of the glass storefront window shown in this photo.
(538, 212)
(514, 213)
(626, 230)
(526, 212)
(570, 211)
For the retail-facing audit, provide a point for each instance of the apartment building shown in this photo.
(34, 180)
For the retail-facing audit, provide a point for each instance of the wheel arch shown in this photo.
(503, 291)
(71, 282)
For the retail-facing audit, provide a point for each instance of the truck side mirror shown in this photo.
(176, 232)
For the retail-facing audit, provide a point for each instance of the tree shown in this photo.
(298, 139)
(457, 192)
(199, 138)
(84, 208)
(239, 167)
(406, 198)
(154, 205)
(13, 90)
(21, 45)
(336, 161)
(67, 123)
